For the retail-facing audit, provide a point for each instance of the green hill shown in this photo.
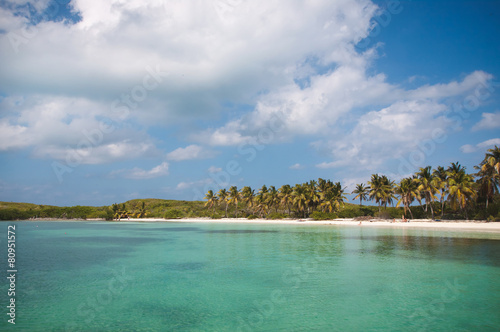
(153, 208)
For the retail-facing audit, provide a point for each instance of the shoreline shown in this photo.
(452, 225)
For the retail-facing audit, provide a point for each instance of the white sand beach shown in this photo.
(458, 225)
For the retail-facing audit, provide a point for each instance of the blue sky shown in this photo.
(106, 101)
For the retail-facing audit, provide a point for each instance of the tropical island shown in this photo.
(433, 194)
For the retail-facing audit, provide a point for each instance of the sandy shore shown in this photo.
(459, 225)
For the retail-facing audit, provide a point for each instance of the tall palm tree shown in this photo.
(440, 179)
(461, 191)
(489, 174)
(492, 159)
(273, 198)
(333, 198)
(312, 194)
(488, 183)
(223, 196)
(260, 203)
(376, 189)
(407, 191)
(300, 198)
(426, 186)
(211, 200)
(381, 190)
(234, 196)
(361, 192)
(285, 196)
(389, 191)
(247, 196)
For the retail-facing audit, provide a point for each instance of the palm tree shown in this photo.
(361, 192)
(273, 198)
(376, 189)
(234, 196)
(142, 211)
(312, 195)
(285, 196)
(461, 190)
(440, 179)
(488, 183)
(300, 199)
(381, 190)
(261, 204)
(492, 159)
(211, 200)
(426, 186)
(489, 173)
(247, 195)
(407, 191)
(223, 196)
(333, 198)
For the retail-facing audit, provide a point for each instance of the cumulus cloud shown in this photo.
(140, 174)
(189, 153)
(213, 169)
(193, 184)
(389, 134)
(295, 64)
(468, 148)
(488, 121)
(296, 166)
(65, 128)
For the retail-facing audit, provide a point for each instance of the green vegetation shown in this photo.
(450, 192)
(137, 208)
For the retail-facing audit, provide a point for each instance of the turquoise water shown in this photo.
(233, 277)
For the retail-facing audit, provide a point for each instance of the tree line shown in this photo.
(435, 190)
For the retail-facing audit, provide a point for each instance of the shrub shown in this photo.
(383, 215)
(319, 215)
(252, 216)
(173, 214)
(276, 215)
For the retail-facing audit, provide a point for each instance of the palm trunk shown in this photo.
(442, 207)
(226, 209)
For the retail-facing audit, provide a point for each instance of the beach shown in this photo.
(458, 225)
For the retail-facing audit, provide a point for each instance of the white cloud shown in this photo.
(189, 153)
(386, 134)
(488, 121)
(483, 146)
(68, 128)
(140, 174)
(467, 148)
(296, 166)
(254, 53)
(213, 169)
(194, 184)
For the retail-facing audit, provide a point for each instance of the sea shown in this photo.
(164, 276)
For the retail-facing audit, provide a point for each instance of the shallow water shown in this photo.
(227, 277)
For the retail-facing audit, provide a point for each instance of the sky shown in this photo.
(103, 101)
